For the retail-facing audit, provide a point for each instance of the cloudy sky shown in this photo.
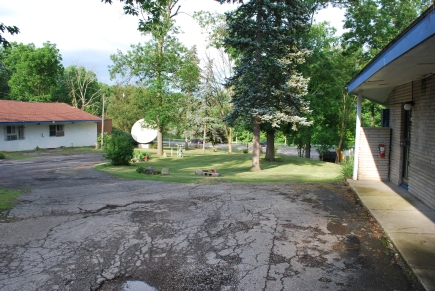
(87, 32)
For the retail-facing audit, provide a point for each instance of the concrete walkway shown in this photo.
(409, 223)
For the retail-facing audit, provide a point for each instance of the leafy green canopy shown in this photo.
(330, 71)
(32, 72)
(164, 75)
(372, 24)
(125, 106)
(267, 86)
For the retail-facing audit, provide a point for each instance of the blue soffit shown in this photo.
(409, 57)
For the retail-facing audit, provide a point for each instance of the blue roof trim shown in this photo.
(49, 122)
(421, 31)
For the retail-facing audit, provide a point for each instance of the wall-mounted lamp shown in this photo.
(408, 105)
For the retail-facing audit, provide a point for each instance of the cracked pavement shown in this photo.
(78, 229)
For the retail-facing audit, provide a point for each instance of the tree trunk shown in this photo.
(308, 150)
(270, 148)
(230, 141)
(256, 141)
(343, 127)
(186, 143)
(256, 147)
(159, 142)
(203, 139)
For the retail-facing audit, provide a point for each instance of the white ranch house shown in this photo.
(27, 125)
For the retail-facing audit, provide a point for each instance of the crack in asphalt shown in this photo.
(97, 233)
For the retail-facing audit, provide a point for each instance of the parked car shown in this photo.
(196, 141)
(263, 143)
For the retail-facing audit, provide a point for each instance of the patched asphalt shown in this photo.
(78, 229)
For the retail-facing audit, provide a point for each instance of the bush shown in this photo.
(118, 148)
(347, 167)
(139, 170)
(2, 156)
(128, 135)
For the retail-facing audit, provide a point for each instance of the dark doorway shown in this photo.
(406, 146)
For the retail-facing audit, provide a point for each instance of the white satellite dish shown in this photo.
(141, 133)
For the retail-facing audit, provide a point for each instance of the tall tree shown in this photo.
(33, 71)
(267, 86)
(11, 29)
(329, 71)
(126, 106)
(161, 75)
(5, 74)
(220, 64)
(84, 89)
(156, 18)
(188, 77)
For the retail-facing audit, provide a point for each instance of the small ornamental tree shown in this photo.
(118, 148)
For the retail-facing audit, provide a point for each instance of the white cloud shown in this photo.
(87, 32)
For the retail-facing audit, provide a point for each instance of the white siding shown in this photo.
(76, 134)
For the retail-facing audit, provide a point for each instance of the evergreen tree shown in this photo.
(267, 86)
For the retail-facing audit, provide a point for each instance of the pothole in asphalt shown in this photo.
(137, 286)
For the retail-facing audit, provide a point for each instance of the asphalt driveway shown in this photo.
(78, 229)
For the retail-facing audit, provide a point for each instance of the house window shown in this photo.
(56, 130)
(14, 132)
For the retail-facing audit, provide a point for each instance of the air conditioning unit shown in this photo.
(60, 133)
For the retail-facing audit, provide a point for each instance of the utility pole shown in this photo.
(102, 125)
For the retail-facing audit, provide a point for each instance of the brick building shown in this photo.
(401, 77)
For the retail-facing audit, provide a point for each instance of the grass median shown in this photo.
(233, 167)
(7, 197)
(31, 154)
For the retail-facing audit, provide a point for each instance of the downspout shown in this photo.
(357, 136)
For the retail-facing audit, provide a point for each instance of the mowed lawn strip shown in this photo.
(233, 167)
(7, 197)
(32, 154)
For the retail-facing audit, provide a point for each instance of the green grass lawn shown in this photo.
(24, 155)
(233, 167)
(8, 196)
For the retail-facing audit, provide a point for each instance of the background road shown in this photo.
(78, 229)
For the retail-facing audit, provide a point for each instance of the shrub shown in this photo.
(347, 167)
(139, 170)
(118, 148)
(2, 156)
(128, 135)
(138, 155)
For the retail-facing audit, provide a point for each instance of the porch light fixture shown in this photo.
(408, 105)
